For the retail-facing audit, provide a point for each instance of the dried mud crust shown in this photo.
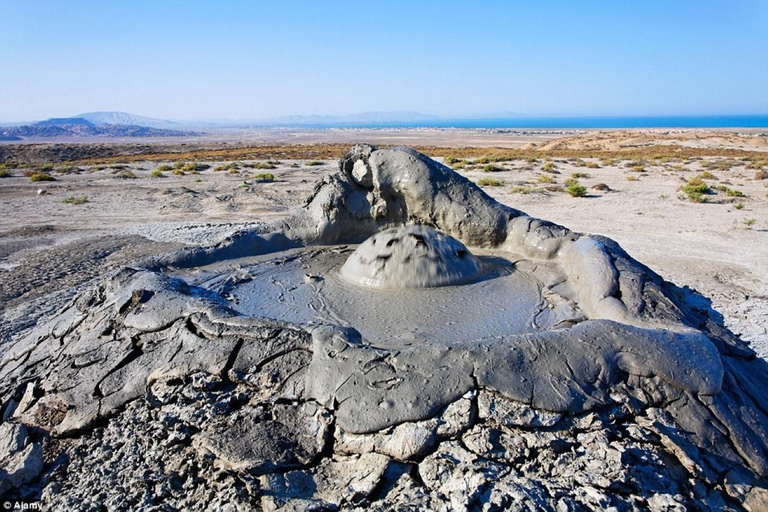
(46, 279)
(649, 403)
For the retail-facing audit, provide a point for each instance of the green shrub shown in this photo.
(739, 205)
(126, 175)
(164, 168)
(5, 173)
(45, 168)
(157, 173)
(313, 163)
(593, 165)
(449, 160)
(41, 176)
(545, 178)
(75, 199)
(459, 165)
(489, 182)
(493, 168)
(178, 171)
(577, 175)
(548, 166)
(695, 190)
(574, 188)
(706, 175)
(265, 176)
(523, 190)
(263, 165)
(749, 222)
(194, 167)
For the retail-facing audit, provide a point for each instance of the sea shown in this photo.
(720, 121)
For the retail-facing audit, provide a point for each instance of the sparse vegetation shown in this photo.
(45, 168)
(41, 176)
(545, 178)
(523, 190)
(313, 163)
(263, 165)
(66, 169)
(739, 205)
(164, 168)
(126, 175)
(450, 160)
(265, 176)
(75, 199)
(706, 175)
(489, 182)
(749, 222)
(577, 175)
(633, 178)
(194, 167)
(761, 175)
(493, 168)
(637, 168)
(548, 166)
(695, 189)
(592, 165)
(731, 192)
(5, 173)
(178, 171)
(720, 164)
(574, 188)
(157, 173)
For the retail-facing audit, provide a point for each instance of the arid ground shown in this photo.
(108, 203)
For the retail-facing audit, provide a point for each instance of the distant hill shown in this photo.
(62, 121)
(80, 126)
(124, 119)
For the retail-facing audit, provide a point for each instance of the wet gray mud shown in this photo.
(402, 340)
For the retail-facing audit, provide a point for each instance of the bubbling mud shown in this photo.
(506, 295)
(411, 257)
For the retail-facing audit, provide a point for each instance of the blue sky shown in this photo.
(251, 59)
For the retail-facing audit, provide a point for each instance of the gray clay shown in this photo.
(483, 359)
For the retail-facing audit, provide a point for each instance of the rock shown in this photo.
(21, 460)
(459, 475)
(409, 441)
(503, 411)
(249, 441)
(335, 482)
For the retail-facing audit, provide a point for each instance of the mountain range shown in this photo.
(95, 124)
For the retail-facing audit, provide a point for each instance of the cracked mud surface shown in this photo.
(180, 401)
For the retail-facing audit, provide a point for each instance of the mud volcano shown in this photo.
(401, 340)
